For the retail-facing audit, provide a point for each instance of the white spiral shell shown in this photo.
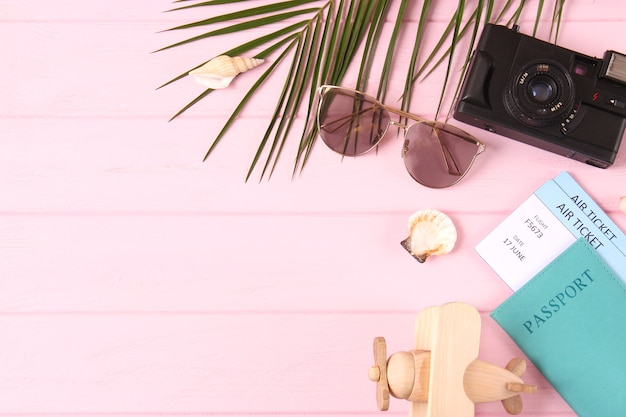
(221, 70)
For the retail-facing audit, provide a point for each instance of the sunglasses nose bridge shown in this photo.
(405, 143)
(399, 125)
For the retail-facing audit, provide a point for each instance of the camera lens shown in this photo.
(541, 94)
(542, 89)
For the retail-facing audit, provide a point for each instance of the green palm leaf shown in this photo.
(319, 40)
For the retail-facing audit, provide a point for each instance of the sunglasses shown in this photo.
(437, 155)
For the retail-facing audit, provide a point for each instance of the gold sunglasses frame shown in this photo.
(435, 125)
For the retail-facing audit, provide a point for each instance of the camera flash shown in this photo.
(615, 66)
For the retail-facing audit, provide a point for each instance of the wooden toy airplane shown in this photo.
(442, 376)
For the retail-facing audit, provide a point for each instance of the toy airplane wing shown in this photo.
(451, 333)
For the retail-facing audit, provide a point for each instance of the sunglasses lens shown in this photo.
(438, 155)
(351, 123)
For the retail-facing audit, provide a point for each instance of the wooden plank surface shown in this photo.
(137, 280)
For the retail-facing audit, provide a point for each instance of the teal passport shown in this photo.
(570, 320)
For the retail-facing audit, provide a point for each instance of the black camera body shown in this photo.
(546, 96)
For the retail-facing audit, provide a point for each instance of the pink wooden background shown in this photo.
(137, 280)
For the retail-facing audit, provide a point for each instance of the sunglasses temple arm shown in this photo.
(449, 158)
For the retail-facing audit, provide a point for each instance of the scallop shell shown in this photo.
(220, 71)
(622, 204)
(431, 232)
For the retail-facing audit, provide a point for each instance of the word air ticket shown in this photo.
(544, 225)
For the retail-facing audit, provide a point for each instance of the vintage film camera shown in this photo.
(546, 96)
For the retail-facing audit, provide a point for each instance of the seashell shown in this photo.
(431, 232)
(622, 204)
(220, 71)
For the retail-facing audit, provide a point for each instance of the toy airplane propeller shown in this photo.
(442, 376)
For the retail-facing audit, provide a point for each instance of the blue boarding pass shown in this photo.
(544, 225)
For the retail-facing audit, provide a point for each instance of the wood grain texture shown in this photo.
(136, 280)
